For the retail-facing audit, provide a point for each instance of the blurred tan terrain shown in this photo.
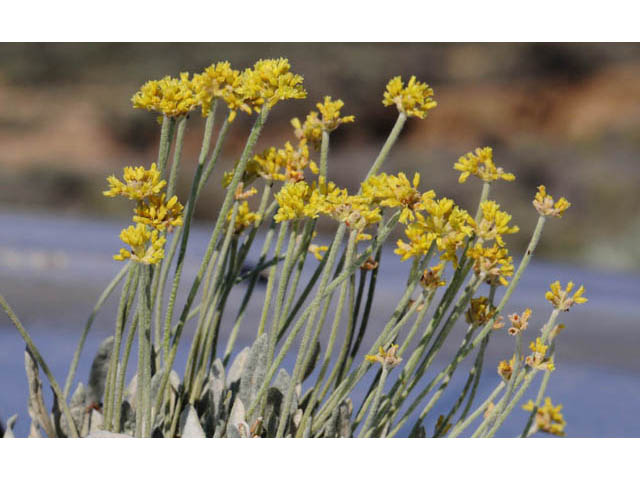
(566, 115)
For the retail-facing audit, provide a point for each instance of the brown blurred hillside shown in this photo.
(566, 115)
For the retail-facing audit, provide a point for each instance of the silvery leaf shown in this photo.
(98, 374)
(190, 425)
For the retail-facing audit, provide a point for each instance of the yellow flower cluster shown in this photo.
(481, 165)
(505, 368)
(219, 80)
(173, 97)
(387, 358)
(159, 214)
(146, 246)
(494, 223)
(310, 131)
(480, 312)
(446, 224)
(414, 100)
(299, 200)
(244, 218)
(270, 81)
(432, 278)
(138, 184)
(317, 250)
(493, 262)
(330, 111)
(396, 191)
(284, 164)
(562, 299)
(545, 206)
(537, 358)
(548, 418)
(519, 323)
(152, 210)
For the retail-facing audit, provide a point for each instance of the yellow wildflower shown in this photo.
(173, 97)
(548, 418)
(505, 368)
(481, 165)
(317, 250)
(396, 191)
(414, 100)
(159, 214)
(146, 247)
(537, 358)
(494, 223)
(386, 358)
(330, 111)
(480, 311)
(270, 81)
(545, 206)
(493, 262)
(519, 323)
(293, 199)
(244, 218)
(139, 183)
(447, 225)
(310, 131)
(219, 80)
(561, 299)
(432, 278)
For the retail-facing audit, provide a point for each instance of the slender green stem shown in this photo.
(272, 279)
(45, 368)
(376, 403)
(177, 154)
(388, 144)
(226, 206)
(122, 371)
(166, 136)
(87, 326)
(458, 429)
(110, 381)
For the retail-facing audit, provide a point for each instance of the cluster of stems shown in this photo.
(294, 315)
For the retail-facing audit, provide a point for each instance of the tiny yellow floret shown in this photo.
(562, 299)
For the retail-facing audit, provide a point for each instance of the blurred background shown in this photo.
(566, 115)
(563, 115)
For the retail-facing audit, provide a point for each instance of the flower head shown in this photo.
(505, 368)
(545, 206)
(146, 246)
(480, 311)
(519, 323)
(432, 278)
(317, 250)
(159, 214)
(548, 418)
(310, 131)
(538, 358)
(219, 80)
(414, 100)
(173, 97)
(492, 262)
(244, 218)
(562, 299)
(330, 112)
(293, 199)
(387, 358)
(138, 184)
(481, 165)
(396, 191)
(270, 81)
(494, 223)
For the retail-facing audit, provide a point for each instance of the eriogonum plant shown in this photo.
(461, 271)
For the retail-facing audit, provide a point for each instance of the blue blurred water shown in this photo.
(53, 268)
